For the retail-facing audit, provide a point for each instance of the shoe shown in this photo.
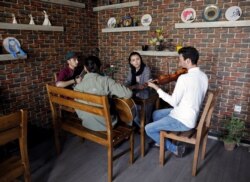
(156, 145)
(152, 144)
(180, 151)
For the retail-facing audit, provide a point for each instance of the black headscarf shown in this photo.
(133, 70)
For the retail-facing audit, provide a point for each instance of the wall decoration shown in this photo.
(233, 13)
(127, 20)
(211, 13)
(14, 19)
(12, 45)
(111, 22)
(188, 15)
(146, 20)
(31, 20)
(46, 19)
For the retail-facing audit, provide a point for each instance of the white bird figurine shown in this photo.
(31, 20)
(46, 19)
(14, 19)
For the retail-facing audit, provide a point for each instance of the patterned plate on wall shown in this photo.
(146, 20)
(188, 15)
(211, 13)
(233, 13)
(111, 22)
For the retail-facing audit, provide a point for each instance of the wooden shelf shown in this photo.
(66, 2)
(243, 23)
(116, 6)
(5, 57)
(30, 27)
(158, 53)
(126, 29)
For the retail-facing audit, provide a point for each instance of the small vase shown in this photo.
(159, 47)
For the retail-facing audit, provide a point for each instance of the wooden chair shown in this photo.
(99, 106)
(12, 127)
(196, 136)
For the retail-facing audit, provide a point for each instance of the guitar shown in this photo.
(126, 109)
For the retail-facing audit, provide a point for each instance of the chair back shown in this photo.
(205, 119)
(13, 127)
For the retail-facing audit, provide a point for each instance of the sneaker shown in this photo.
(157, 145)
(180, 151)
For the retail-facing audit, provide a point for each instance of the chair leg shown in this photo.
(131, 160)
(110, 163)
(196, 156)
(204, 146)
(162, 148)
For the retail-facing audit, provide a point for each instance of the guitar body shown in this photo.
(125, 108)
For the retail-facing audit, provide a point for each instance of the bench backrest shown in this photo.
(94, 104)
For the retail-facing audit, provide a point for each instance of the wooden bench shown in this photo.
(60, 97)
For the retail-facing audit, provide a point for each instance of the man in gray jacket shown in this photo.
(94, 83)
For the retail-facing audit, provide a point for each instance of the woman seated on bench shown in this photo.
(94, 83)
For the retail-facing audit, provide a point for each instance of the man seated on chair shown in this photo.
(69, 76)
(94, 83)
(186, 100)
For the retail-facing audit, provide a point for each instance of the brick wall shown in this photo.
(22, 82)
(224, 51)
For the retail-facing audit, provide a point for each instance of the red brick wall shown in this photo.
(22, 82)
(224, 52)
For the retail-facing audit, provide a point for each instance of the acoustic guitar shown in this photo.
(126, 109)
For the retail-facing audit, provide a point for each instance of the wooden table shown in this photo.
(143, 98)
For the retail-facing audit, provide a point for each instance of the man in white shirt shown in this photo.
(186, 100)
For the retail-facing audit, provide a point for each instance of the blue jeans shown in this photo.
(162, 121)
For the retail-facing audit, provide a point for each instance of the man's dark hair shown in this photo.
(92, 64)
(191, 53)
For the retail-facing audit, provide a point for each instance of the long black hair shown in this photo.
(133, 70)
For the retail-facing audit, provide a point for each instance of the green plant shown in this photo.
(235, 130)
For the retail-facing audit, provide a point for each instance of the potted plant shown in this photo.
(235, 130)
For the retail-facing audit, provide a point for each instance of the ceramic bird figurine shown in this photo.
(14, 19)
(31, 20)
(46, 19)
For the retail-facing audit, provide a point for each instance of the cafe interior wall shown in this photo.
(224, 52)
(22, 81)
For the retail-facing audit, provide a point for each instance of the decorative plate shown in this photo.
(233, 13)
(11, 44)
(188, 15)
(146, 20)
(211, 13)
(111, 22)
(127, 21)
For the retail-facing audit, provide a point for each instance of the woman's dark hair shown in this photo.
(133, 70)
(191, 53)
(92, 64)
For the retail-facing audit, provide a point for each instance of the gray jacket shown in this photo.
(94, 83)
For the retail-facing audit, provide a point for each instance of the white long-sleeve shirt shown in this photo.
(188, 95)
